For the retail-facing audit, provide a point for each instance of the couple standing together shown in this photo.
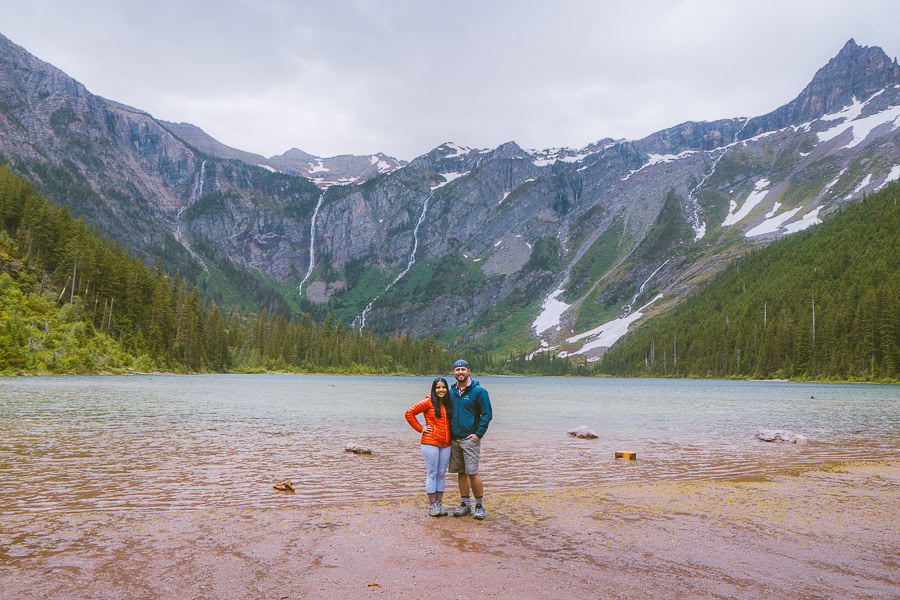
(456, 418)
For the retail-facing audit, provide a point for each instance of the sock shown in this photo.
(465, 500)
(479, 501)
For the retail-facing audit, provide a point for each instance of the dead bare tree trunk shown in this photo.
(63, 292)
(74, 269)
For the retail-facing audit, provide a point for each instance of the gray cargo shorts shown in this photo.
(464, 456)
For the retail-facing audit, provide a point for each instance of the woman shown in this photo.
(435, 440)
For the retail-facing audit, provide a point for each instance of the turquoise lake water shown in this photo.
(167, 442)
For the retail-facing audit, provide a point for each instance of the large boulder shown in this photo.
(584, 433)
(780, 435)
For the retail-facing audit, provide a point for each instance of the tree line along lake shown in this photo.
(200, 441)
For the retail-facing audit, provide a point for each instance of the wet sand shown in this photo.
(827, 533)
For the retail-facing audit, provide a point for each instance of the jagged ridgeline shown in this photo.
(71, 301)
(823, 304)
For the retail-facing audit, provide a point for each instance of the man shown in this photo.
(469, 421)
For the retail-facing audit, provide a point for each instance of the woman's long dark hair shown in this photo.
(445, 402)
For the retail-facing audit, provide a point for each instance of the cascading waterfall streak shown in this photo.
(361, 319)
(312, 246)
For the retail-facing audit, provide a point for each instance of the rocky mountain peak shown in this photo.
(297, 154)
(854, 72)
(510, 150)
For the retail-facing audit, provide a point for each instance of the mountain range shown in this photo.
(502, 249)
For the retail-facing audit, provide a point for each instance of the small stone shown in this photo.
(356, 449)
(584, 433)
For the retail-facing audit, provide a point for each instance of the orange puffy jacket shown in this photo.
(440, 428)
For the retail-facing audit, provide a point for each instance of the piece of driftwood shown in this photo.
(285, 486)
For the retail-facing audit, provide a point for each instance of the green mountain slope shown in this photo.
(821, 304)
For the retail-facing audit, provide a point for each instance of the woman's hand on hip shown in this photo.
(426, 429)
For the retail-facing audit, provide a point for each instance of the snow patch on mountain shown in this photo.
(656, 159)
(808, 220)
(847, 113)
(758, 194)
(894, 175)
(861, 126)
(318, 167)
(382, 165)
(551, 311)
(448, 177)
(268, 168)
(545, 158)
(866, 181)
(831, 183)
(458, 151)
(773, 223)
(610, 332)
(544, 347)
(774, 210)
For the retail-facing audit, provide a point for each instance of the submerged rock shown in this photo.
(583, 432)
(356, 449)
(780, 435)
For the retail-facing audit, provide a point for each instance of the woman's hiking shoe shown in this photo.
(442, 512)
(436, 510)
(479, 512)
(462, 510)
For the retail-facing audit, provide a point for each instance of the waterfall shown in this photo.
(697, 225)
(179, 234)
(196, 192)
(627, 308)
(198, 187)
(312, 245)
(361, 319)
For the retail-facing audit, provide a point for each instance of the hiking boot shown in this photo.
(442, 512)
(436, 509)
(479, 513)
(462, 510)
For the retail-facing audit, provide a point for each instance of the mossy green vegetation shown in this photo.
(595, 262)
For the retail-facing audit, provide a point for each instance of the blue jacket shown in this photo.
(471, 411)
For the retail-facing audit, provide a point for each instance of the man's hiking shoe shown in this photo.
(462, 510)
(436, 509)
(479, 512)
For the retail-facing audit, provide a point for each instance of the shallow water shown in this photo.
(164, 442)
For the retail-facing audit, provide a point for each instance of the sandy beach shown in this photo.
(827, 533)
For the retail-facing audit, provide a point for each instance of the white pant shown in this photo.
(436, 461)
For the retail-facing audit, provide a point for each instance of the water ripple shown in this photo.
(167, 442)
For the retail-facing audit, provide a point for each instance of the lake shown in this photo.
(176, 442)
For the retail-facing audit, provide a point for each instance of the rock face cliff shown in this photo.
(324, 172)
(505, 248)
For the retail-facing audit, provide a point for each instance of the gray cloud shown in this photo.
(404, 76)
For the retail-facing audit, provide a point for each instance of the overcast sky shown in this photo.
(403, 76)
